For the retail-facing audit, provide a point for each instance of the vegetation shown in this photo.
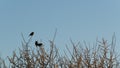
(102, 55)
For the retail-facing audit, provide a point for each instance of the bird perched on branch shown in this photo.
(31, 34)
(38, 44)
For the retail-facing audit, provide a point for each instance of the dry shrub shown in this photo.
(102, 55)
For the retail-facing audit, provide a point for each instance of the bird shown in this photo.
(31, 34)
(38, 44)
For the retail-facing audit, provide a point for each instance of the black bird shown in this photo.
(31, 34)
(38, 44)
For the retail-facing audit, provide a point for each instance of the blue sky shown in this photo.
(76, 19)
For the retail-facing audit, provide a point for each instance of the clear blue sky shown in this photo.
(76, 19)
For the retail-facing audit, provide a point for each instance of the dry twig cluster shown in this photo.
(102, 55)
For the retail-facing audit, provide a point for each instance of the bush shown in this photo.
(102, 55)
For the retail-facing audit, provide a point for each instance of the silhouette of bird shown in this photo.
(38, 44)
(31, 34)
